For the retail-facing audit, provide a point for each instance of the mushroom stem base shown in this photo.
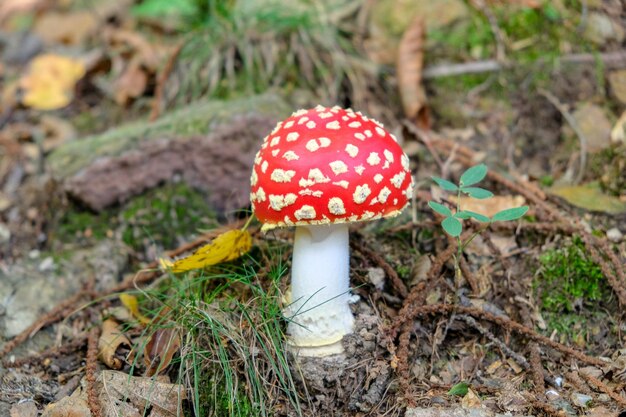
(320, 314)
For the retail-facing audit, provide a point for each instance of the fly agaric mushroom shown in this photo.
(319, 170)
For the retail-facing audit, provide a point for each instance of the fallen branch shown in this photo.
(609, 60)
(393, 276)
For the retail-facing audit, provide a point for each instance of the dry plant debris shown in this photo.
(480, 328)
(50, 81)
(111, 341)
(122, 395)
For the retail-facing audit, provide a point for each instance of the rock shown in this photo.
(203, 142)
(617, 81)
(20, 47)
(601, 412)
(580, 400)
(390, 18)
(563, 405)
(26, 291)
(595, 125)
(552, 395)
(5, 233)
(376, 277)
(614, 235)
(24, 408)
(601, 29)
(455, 412)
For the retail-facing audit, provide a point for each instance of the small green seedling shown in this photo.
(452, 223)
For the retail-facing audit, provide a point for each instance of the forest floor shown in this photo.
(128, 132)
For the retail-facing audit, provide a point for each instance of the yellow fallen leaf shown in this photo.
(226, 247)
(165, 263)
(589, 197)
(50, 81)
(130, 302)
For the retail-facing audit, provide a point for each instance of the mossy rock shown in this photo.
(210, 144)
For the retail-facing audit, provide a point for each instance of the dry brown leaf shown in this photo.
(117, 387)
(112, 342)
(73, 406)
(149, 55)
(71, 28)
(131, 84)
(409, 69)
(50, 81)
(57, 131)
(10, 7)
(160, 350)
(471, 400)
(123, 395)
(490, 206)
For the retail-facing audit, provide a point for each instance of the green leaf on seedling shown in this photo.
(466, 214)
(477, 192)
(509, 214)
(440, 208)
(445, 184)
(474, 175)
(459, 389)
(452, 226)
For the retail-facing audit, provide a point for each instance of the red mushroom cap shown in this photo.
(329, 165)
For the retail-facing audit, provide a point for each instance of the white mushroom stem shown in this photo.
(320, 290)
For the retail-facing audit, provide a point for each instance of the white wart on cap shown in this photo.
(329, 165)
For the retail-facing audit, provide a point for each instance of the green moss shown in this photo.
(160, 216)
(78, 223)
(164, 215)
(568, 279)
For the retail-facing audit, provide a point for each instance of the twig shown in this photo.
(469, 275)
(519, 359)
(91, 369)
(418, 293)
(604, 388)
(543, 406)
(396, 282)
(574, 125)
(495, 29)
(536, 369)
(162, 79)
(507, 324)
(609, 60)
(578, 383)
(424, 136)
